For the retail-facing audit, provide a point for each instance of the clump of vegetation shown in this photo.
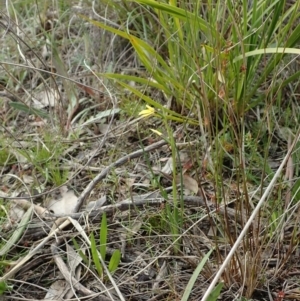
(87, 90)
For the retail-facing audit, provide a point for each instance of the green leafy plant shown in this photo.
(4, 287)
(214, 295)
(26, 109)
(100, 251)
(44, 155)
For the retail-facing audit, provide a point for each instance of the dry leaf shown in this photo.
(16, 212)
(183, 159)
(56, 290)
(28, 179)
(221, 77)
(104, 128)
(187, 165)
(168, 168)
(65, 205)
(25, 205)
(188, 183)
(45, 99)
(74, 259)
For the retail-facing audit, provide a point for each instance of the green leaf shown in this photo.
(280, 50)
(95, 256)
(18, 232)
(194, 277)
(214, 295)
(24, 108)
(171, 115)
(81, 254)
(68, 85)
(4, 287)
(103, 236)
(114, 261)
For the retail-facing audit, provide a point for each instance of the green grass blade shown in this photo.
(142, 47)
(294, 37)
(280, 50)
(276, 16)
(180, 13)
(170, 9)
(146, 53)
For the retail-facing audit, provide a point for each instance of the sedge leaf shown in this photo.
(95, 256)
(194, 277)
(114, 261)
(214, 295)
(24, 108)
(103, 236)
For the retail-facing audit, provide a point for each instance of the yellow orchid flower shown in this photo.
(147, 112)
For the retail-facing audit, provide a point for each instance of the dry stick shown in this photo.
(251, 218)
(119, 162)
(152, 199)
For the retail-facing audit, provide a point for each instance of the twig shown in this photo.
(153, 199)
(119, 162)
